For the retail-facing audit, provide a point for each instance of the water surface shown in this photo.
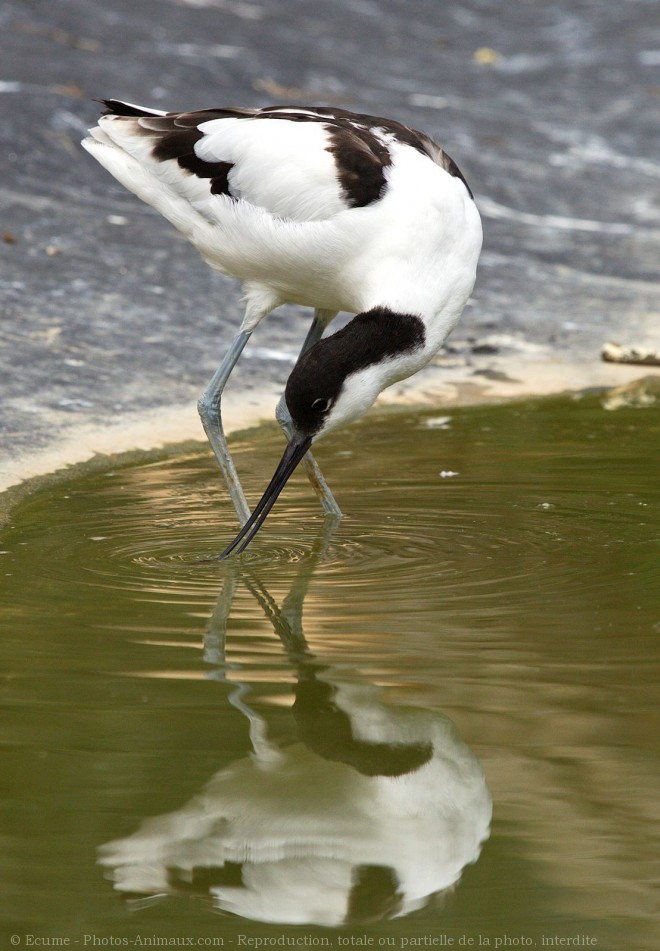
(305, 744)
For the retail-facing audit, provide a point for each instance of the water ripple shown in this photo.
(534, 510)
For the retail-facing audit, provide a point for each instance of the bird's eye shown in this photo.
(321, 405)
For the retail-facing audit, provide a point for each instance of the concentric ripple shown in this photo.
(530, 508)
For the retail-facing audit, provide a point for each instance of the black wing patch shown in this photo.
(360, 155)
(175, 136)
(361, 160)
(181, 146)
(342, 119)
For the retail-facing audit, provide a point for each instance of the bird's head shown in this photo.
(335, 382)
(325, 392)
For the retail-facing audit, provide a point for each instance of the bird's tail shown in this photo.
(124, 148)
(137, 179)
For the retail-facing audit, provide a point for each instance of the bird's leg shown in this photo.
(309, 464)
(209, 411)
(292, 606)
(215, 641)
(287, 621)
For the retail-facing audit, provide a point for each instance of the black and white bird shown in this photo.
(314, 206)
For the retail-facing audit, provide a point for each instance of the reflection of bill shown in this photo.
(373, 811)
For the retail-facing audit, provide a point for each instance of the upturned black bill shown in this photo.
(293, 454)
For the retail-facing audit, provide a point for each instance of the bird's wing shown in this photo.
(298, 164)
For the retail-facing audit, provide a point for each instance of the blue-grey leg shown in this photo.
(292, 606)
(319, 323)
(215, 642)
(209, 411)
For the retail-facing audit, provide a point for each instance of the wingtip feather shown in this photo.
(116, 107)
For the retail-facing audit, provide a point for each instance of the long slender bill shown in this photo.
(293, 453)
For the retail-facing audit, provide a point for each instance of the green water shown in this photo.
(305, 744)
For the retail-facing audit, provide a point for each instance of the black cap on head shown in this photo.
(318, 378)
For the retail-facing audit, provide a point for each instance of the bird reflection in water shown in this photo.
(374, 810)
